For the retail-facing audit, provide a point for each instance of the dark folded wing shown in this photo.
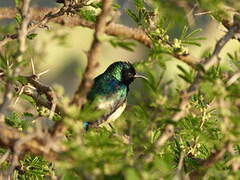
(108, 95)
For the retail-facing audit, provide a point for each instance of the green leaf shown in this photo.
(116, 6)
(184, 32)
(16, 120)
(18, 19)
(187, 76)
(31, 36)
(123, 44)
(139, 3)
(18, 3)
(194, 32)
(132, 15)
(131, 174)
(89, 15)
(189, 38)
(96, 4)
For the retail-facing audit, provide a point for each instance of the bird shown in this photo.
(109, 92)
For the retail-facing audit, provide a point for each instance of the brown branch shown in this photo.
(168, 131)
(112, 29)
(22, 47)
(44, 20)
(25, 13)
(38, 90)
(36, 146)
(80, 95)
(34, 88)
(87, 80)
(233, 78)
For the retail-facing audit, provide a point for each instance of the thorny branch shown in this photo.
(113, 29)
(20, 143)
(22, 47)
(10, 137)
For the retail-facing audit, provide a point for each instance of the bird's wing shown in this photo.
(109, 95)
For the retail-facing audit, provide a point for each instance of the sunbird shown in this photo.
(109, 92)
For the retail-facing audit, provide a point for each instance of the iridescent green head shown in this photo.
(122, 71)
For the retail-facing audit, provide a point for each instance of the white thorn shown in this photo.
(42, 73)
(20, 92)
(33, 68)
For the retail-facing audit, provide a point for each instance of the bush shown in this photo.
(176, 126)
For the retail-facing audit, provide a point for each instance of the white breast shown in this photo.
(115, 114)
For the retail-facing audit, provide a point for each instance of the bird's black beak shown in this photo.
(140, 76)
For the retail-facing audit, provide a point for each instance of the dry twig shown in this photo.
(233, 79)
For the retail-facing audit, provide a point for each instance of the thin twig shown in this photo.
(87, 80)
(178, 174)
(5, 156)
(80, 95)
(22, 33)
(233, 79)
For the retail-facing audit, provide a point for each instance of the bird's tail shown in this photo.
(94, 124)
(86, 125)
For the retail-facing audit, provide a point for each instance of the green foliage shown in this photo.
(18, 19)
(87, 14)
(189, 38)
(31, 36)
(18, 3)
(33, 167)
(129, 151)
(128, 45)
(187, 76)
(18, 121)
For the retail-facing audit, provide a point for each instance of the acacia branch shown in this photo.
(38, 90)
(87, 80)
(22, 47)
(207, 63)
(38, 145)
(112, 29)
